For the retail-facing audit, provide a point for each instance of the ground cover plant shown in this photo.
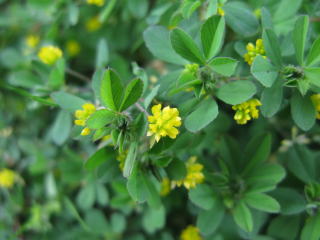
(160, 119)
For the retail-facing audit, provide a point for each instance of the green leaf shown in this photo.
(176, 169)
(236, 92)
(303, 111)
(154, 219)
(242, 216)
(188, 7)
(136, 187)
(68, 101)
(204, 114)
(258, 151)
(202, 196)
(130, 159)
(311, 229)
(312, 74)
(97, 221)
(61, 127)
(132, 93)
(301, 163)
(86, 197)
(284, 227)
(138, 8)
(111, 90)
(264, 71)
(262, 202)
(286, 10)
(224, 66)
(300, 32)
(150, 96)
(153, 197)
(99, 157)
(102, 54)
(56, 78)
(72, 209)
(241, 19)
(208, 221)
(100, 118)
(212, 35)
(102, 194)
(272, 47)
(264, 177)
(157, 40)
(184, 45)
(314, 53)
(266, 20)
(271, 99)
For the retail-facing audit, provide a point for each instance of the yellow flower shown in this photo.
(93, 24)
(194, 174)
(220, 11)
(253, 51)
(73, 48)
(7, 178)
(191, 233)
(98, 3)
(165, 187)
(192, 68)
(257, 12)
(83, 115)
(164, 122)
(32, 40)
(49, 54)
(316, 102)
(246, 111)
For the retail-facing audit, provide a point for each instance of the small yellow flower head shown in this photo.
(194, 174)
(165, 187)
(82, 116)
(164, 122)
(7, 178)
(257, 12)
(49, 54)
(316, 102)
(93, 24)
(192, 68)
(254, 50)
(246, 111)
(73, 48)
(190, 233)
(32, 40)
(98, 3)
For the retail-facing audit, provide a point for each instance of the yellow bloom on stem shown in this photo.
(194, 174)
(316, 102)
(190, 233)
(220, 11)
(7, 178)
(49, 54)
(32, 40)
(164, 122)
(246, 111)
(98, 3)
(73, 48)
(83, 115)
(165, 186)
(93, 24)
(254, 50)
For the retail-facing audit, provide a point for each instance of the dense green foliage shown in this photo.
(134, 119)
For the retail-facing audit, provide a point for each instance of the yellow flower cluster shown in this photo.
(164, 122)
(192, 68)
(49, 54)
(190, 233)
(73, 48)
(316, 102)
(194, 174)
(32, 40)
(246, 111)
(7, 178)
(83, 115)
(98, 3)
(254, 50)
(93, 24)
